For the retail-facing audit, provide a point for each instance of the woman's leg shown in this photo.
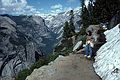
(90, 51)
(87, 50)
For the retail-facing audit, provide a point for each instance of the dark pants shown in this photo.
(88, 50)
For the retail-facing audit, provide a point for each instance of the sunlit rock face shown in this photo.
(107, 61)
(46, 72)
(17, 50)
(56, 22)
(35, 27)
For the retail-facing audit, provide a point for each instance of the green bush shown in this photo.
(66, 43)
(58, 48)
(26, 72)
(83, 31)
(38, 64)
(83, 39)
(67, 51)
(23, 74)
(52, 57)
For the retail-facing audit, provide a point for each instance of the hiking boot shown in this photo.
(89, 56)
(85, 55)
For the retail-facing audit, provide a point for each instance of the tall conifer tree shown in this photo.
(72, 27)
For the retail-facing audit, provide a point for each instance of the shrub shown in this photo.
(52, 57)
(26, 72)
(83, 31)
(83, 39)
(67, 51)
(38, 64)
(23, 74)
(65, 43)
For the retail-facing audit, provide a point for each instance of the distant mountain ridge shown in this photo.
(56, 22)
(35, 27)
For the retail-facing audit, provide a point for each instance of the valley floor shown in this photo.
(73, 67)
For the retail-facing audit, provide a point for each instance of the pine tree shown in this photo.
(82, 3)
(104, 10)
(85, 19)
(66, 30)
(71, 23)
(90, 10)
(100, 11)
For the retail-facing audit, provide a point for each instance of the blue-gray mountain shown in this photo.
(35, 27)
(17, 50)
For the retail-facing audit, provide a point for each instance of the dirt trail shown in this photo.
(73, 67)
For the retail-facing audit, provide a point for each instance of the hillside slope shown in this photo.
(17, 50)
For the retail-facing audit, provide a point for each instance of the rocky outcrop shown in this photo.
(94, 29)
(45, 72)
(72, 67)
(17, 50)
(107, 61)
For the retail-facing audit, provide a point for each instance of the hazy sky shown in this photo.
(37, 6)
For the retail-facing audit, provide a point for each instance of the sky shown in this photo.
(37, 7)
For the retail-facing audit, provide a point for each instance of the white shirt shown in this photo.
(91, 44)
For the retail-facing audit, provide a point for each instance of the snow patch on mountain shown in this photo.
(56, 22)
(107, 61)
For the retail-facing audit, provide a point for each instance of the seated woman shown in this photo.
(89, 45)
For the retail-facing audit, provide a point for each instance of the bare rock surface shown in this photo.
(107, 61)
(17, 50)
(73, 67)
